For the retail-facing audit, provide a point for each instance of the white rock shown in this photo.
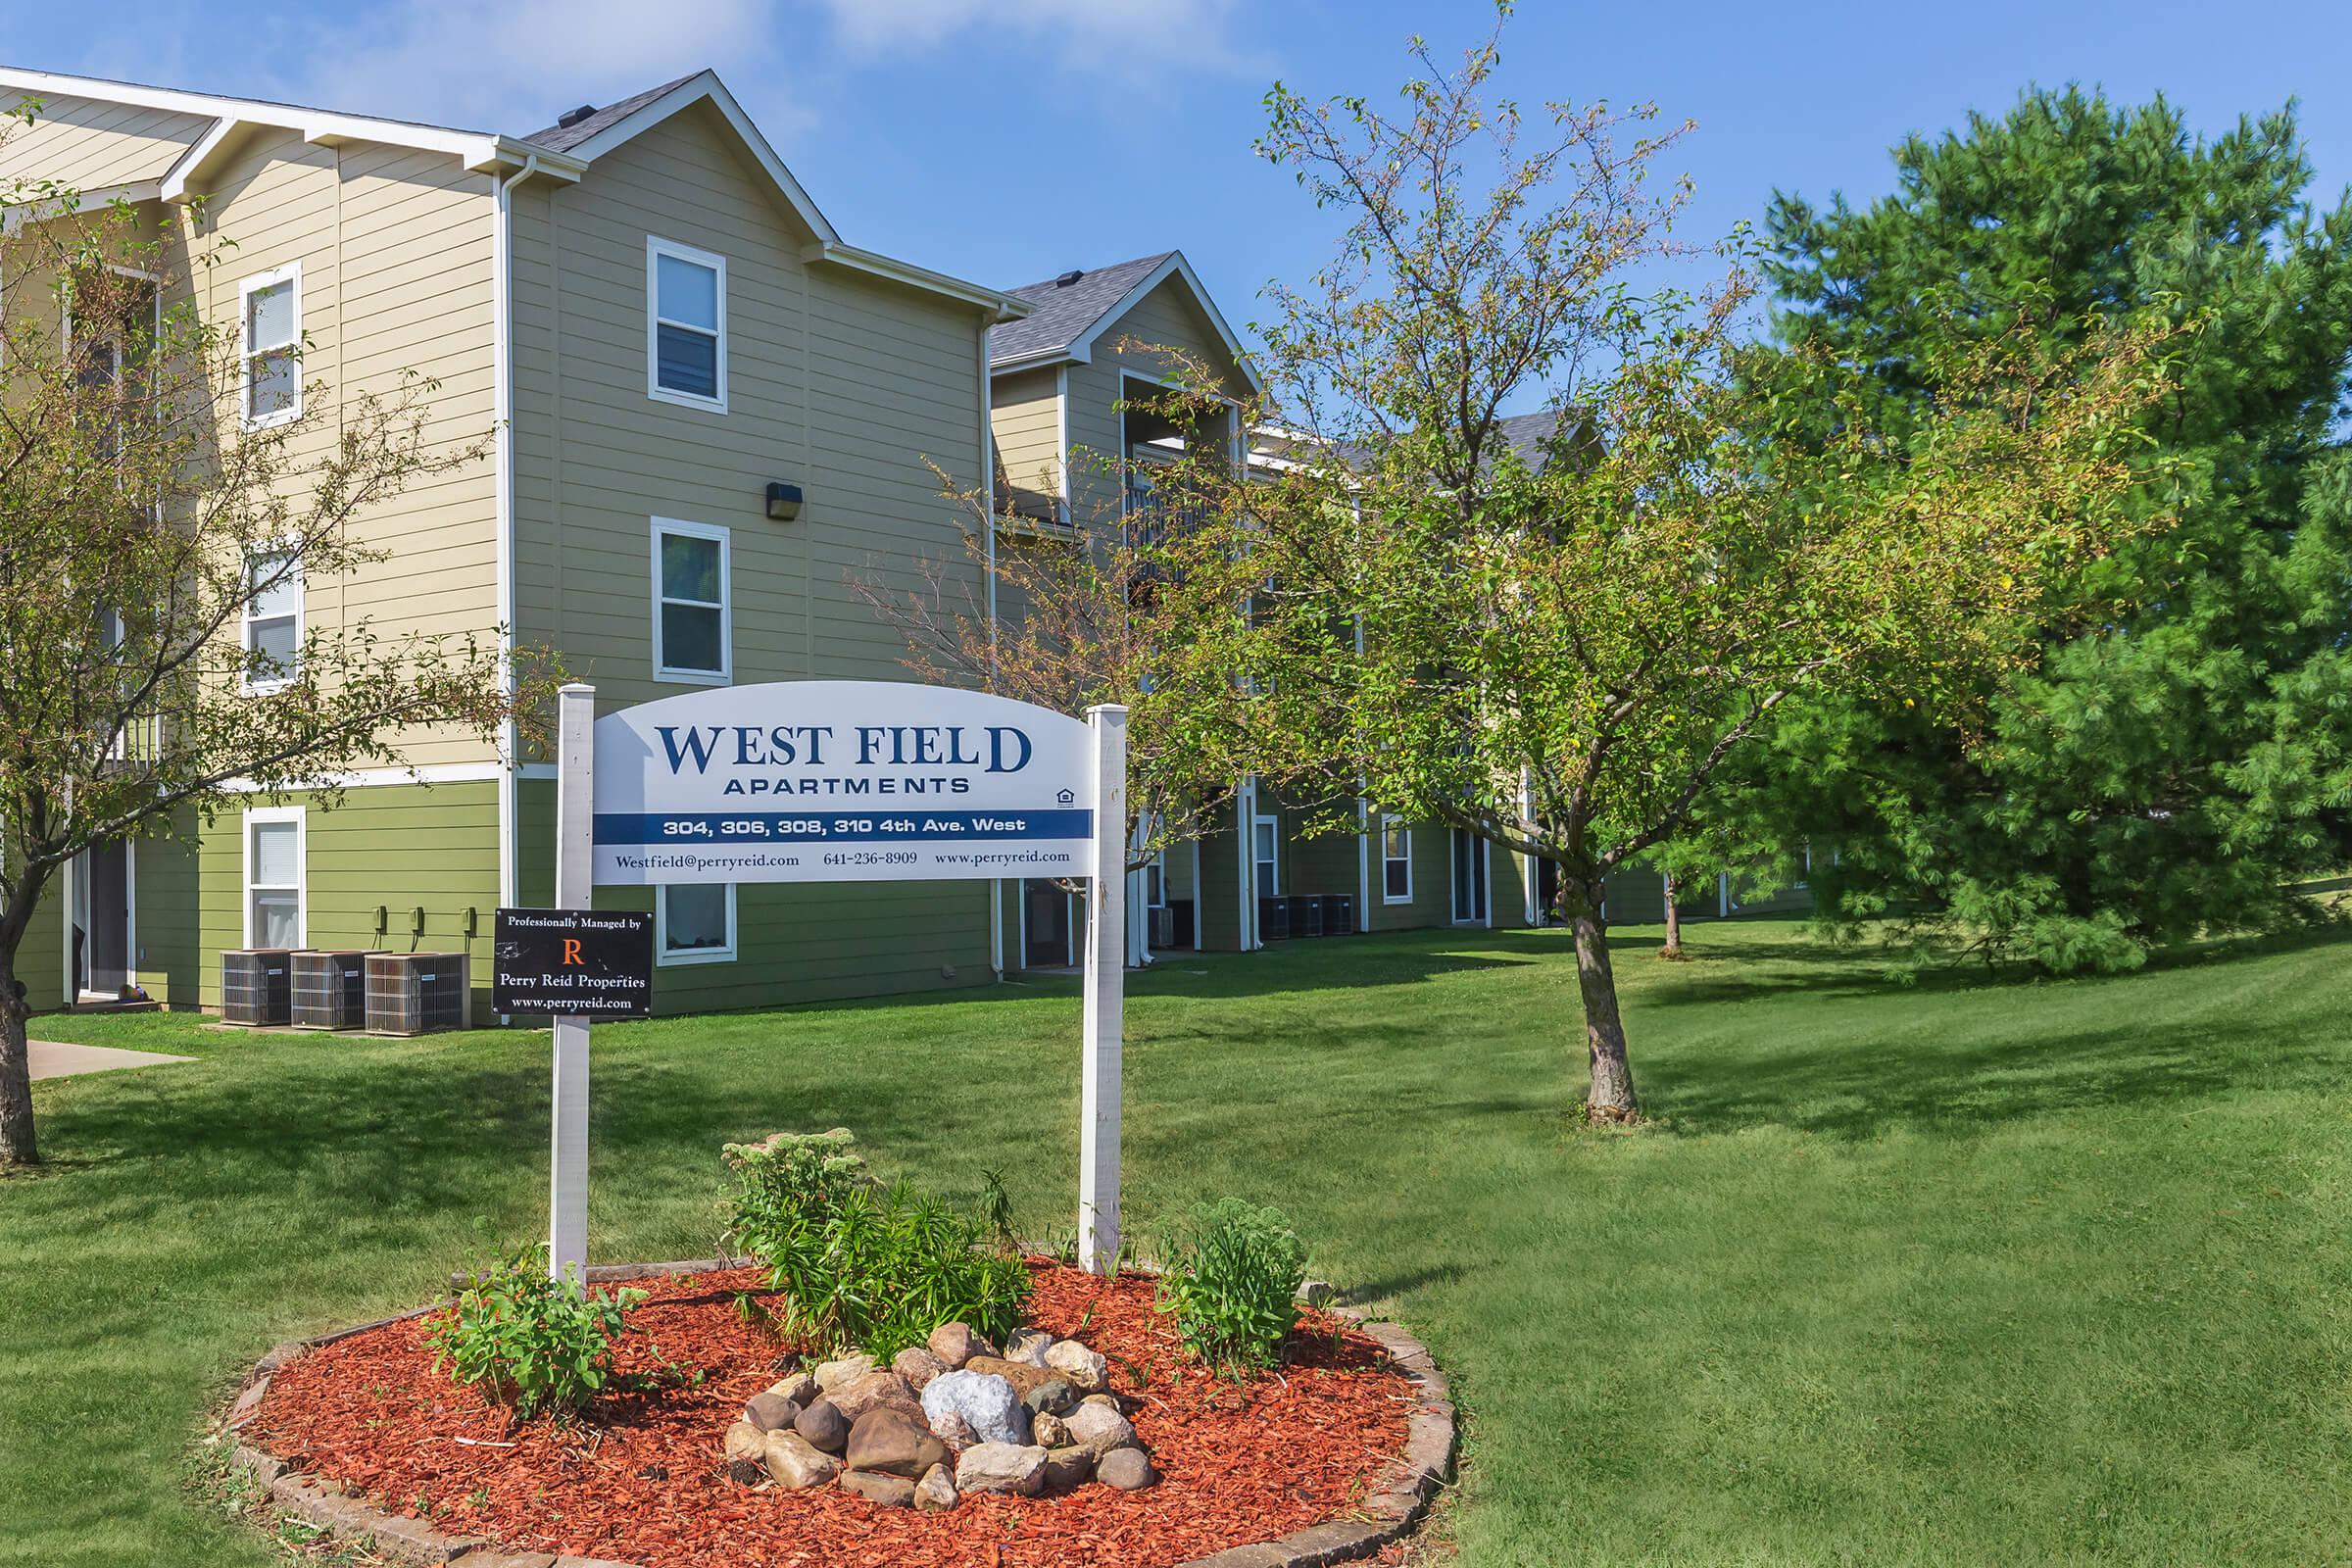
(986, 1402)
(1081, 1368)
(1100, 1428)
(1002, 1467)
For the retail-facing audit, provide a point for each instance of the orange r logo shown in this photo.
(571, 950)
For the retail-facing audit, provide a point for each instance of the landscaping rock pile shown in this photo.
(949, 1418)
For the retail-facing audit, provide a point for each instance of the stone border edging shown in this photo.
(1386, 1515)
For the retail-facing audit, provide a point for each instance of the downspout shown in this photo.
(987, 488)
(502, 373)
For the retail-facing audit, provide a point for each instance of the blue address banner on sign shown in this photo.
(799, 827)
(840, 781)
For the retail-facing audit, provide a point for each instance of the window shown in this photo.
(1155, 882)
(1396, 861)
(685, 325)
(1266, 848)
(694, 923)
(1469, 878)
(274, 866)
(690, 635)
(272, 619)
(271, 305)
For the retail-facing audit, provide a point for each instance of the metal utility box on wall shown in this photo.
(1339, 914)
(416, 992)
(256, 986)
(330, 988)
(1273, 920)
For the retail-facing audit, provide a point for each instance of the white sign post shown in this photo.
(846, 781)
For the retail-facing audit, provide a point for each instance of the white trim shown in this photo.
(1386, 896)
(324, 127)
(694, 90)
(1200, 905)
(1001, 305)
(68, 204)
(290, 272)
(1062, 437)
(1246, 872)
(656, 247)
(245, 619)
(1483, 876)
(256, 816)
(725, 673)
(1081, 349)
(1258, 819)
(380, 777)
(667, 960)
(502, 376)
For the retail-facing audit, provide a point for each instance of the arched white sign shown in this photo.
(841, 781)
(844, 781)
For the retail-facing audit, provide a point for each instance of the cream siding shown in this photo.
(395, 251)
(1027, 419)
(85, 144)
(1164, 318)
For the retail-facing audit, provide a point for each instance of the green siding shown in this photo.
(398, 846)
(166, 943)
(812, 941)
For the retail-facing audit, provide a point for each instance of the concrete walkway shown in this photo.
(55, 1059)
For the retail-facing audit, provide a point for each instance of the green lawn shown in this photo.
(1967, 1273)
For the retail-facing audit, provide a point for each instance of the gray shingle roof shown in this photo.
(1064, 315)
(1526, 434)
(564, 138)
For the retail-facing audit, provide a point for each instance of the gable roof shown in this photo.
(564, 138)
(558, 152)
(1066, 319)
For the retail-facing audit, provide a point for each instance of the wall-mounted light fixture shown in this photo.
(783, 502)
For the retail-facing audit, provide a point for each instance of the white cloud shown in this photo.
(513, 66)
(1130, 37)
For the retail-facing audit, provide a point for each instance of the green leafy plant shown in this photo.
(854, 1266)
(1233, 1274)
(540, 1345)
(806, 1173)
(996, 1214)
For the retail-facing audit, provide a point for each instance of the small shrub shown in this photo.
(861, 1268)
(534, 1343)
(1232, 1283)
(805, 1173)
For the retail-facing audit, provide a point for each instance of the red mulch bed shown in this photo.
(641, 1479)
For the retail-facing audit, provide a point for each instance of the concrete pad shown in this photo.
(52, 1058)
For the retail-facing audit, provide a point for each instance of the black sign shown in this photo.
(594, 964)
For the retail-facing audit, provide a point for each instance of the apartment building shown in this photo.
(708, 413)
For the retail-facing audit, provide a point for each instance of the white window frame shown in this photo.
(1480, 876)
(246, 618)
(1390, 821)
(261, 815)
(1155, 881)
(666, 959)
(656, 248)
(1274, 823)
(725, 673)
(291, 272)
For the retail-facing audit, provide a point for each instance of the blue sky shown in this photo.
(1007, 140)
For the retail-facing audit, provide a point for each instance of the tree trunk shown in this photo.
(17, 1147)
(1611, 1099)
(1674, 919)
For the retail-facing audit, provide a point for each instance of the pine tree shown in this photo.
(2183, 751)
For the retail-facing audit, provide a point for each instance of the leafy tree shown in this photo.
(143, 515)
(1559, 655)
(2181, 746)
